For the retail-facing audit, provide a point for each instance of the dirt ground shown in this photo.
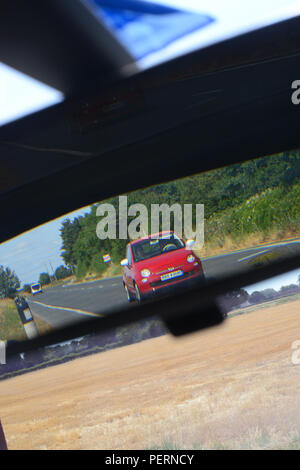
(233, 386)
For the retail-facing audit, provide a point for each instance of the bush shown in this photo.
(82, 269)
(62, 272)
(97, 265)
(273, 209)
(44, 279)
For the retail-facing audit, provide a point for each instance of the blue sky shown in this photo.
(21, 95)
(276, 282)
(34, 251)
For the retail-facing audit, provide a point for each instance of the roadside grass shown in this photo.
(10, 324)
(227, 244)
(59, 360)
(266, 304)
(266, 217)
(58, 283)
(113, 270)
(11, 327)
(166, 445)
(255, 439)
(269, 215)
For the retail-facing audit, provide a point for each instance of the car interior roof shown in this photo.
(238, 85)
(55, 161)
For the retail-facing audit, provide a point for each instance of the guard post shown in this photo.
(2, 352)
(26, 317)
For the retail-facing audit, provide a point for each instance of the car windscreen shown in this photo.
(154, 247)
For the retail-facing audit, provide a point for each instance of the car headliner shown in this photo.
(189, 115)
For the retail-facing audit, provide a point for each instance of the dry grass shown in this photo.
(53, 283)
(5, 303)
(11, 327)
(112, 270)
(213, 248)
(233, 386)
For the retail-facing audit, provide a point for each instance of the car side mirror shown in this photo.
(124, 262)
(190, 243)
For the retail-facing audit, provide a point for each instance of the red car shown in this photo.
(159, 263)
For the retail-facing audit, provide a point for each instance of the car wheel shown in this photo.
(128, 294)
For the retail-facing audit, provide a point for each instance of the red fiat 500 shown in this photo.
(159, 263)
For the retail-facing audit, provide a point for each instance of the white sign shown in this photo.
(2, 352)
(27, 314)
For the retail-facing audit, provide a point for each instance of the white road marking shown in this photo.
(252, 256)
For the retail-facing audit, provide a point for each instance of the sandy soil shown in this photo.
(233, 386)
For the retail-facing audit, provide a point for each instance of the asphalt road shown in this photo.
(69, 303)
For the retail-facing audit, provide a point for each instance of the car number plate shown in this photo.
(165, 277)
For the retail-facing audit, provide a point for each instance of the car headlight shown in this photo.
(190, 259)
(145, 272)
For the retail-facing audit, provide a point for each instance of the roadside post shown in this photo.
(3, 444)
(26, 318)
(2, 352)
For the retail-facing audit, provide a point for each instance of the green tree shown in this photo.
(44, 279)
(9, 282)
(269, 293)
(62, 272)
(69, 232)
(27, 288)
(256, 297)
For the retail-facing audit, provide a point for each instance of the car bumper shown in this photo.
(164, 288)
